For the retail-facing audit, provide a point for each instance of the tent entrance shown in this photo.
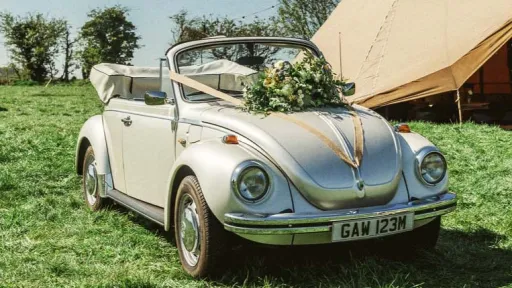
(486, 97)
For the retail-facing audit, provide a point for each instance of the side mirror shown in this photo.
(155, 98)
(348, 89)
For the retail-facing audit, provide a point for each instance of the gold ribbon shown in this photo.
(358, 127)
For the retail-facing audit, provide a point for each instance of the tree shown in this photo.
(194, 28)
(68, 45)
(107, 37)
(33, 43)
(302, 18)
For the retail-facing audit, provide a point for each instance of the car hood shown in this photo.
(313, 168)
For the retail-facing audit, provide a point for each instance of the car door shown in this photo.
(113, 122)
(148, 150)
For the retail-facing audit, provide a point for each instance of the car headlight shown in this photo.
(431, 167)
(251, 181)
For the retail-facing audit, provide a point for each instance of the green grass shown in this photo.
(49, 239)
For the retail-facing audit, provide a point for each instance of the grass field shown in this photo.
(49, 239)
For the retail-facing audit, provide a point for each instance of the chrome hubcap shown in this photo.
(91, 181)
(189, 235)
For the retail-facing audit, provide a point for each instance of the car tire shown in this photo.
(200, 238)
(90, 183)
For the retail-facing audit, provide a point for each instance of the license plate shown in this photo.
(371, 228)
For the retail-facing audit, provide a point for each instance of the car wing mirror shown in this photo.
(348, 89)
(153, 98)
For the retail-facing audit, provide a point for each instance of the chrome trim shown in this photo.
(102, 186)
(295, 223)
(91, 182)
(276, 231)
(420, 156)
(154, 98)
(238, 172)
(142, 114)
(189, 230)
(435, 213)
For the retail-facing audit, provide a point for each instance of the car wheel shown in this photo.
(90, 182)
(200, 237)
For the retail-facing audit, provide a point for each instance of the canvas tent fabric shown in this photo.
(112, 80)
(401, 50)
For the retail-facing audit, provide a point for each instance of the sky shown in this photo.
(151, 17)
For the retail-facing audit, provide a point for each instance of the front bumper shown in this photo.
(315, 228)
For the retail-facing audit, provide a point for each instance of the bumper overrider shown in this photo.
(316, 228)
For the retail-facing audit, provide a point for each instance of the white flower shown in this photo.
(279, 64)
(287, 90)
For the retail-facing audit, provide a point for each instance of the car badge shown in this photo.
(360, 192)
(360, 185)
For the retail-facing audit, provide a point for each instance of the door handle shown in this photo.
(127, 121)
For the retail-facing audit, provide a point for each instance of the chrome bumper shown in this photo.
(295, 223)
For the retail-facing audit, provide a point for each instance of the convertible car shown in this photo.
(169, 149)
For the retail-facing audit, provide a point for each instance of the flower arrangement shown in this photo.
(294, 87)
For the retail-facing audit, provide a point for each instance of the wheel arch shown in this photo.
(93, 134)
(202, 160)
(213, 163)
(82, 146)
(181, 173)
(411, 144)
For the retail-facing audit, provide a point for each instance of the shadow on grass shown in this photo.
(461, 259)
(2, 109)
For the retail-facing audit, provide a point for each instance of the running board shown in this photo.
(151, 212)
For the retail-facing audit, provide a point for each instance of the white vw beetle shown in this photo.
(183, 158)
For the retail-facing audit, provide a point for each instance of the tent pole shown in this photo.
(459, 106)
(341, 59)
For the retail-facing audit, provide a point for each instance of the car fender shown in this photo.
(412, 144)
(213, 163)
(93, 133)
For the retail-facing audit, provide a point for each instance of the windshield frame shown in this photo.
(176, 50)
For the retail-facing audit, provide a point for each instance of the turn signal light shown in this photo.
(230, 139)
(402, 128)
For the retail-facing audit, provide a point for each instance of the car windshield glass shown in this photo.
(231, 67)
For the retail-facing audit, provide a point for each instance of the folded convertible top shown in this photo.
(113, 80)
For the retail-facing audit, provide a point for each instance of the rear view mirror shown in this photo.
(251, 60)
(348, 89)
(155, 98)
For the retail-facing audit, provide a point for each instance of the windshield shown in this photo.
(231, 67)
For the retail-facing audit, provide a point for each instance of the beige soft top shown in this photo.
(113, 80)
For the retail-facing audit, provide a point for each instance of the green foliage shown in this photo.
(286, 88)
(296, 18)
(302, 18)
(33, 43)
(25, 83)
(108, 36)
(187, 28)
